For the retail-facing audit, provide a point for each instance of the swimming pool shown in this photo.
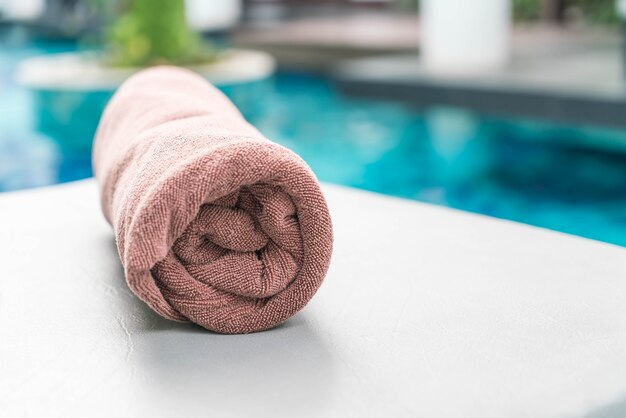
(553, 176)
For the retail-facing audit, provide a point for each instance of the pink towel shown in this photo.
(214, 223)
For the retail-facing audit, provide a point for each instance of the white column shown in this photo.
(211, 15)
(465, 36)
(22, 9)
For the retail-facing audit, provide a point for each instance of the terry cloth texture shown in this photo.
(214, 223)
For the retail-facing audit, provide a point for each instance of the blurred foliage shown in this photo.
(407, 5)
(153, 32)
(595, 11)
(526, 10)
(592, 11)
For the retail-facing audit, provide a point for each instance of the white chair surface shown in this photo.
(425, 312)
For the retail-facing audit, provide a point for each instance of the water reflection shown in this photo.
(570, 179)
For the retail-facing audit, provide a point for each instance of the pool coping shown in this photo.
(403, 79)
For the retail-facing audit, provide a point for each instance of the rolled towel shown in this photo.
(214, 223)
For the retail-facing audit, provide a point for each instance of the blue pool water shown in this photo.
(570, 179)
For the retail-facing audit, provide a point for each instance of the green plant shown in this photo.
(155, 32)
(525, 10)
(601, 12)
(596, 11)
